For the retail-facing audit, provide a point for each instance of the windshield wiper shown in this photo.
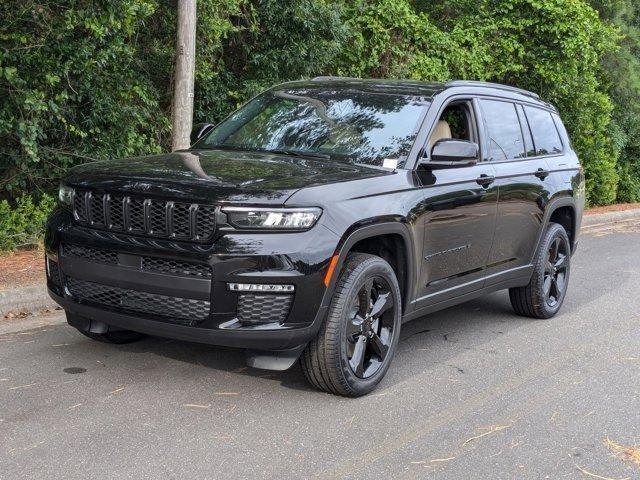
(298, 153)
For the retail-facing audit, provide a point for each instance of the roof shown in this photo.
(409, 87)
(374, 85)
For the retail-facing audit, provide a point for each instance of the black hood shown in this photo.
(214, 176)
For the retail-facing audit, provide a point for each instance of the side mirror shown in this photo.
(451, 153)
(200, 130)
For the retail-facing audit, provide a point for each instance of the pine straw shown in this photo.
(595, 475)
(624, 453)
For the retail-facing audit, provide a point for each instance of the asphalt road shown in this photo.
(473, 393)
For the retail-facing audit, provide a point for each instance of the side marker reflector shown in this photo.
(332, 267)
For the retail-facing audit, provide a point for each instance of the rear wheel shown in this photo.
(356, 343)
(543, 296)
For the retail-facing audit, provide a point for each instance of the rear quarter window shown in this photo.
(546, 138)
(562, 129)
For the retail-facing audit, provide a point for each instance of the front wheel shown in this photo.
(356, 343)
(543, 296)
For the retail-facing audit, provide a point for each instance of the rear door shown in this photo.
(522, 174)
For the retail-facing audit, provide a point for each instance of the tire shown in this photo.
(363, 323)
(545, 293)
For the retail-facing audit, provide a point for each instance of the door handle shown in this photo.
(541, 173)
(485, 180)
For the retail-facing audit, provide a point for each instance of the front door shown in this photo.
(461, 214)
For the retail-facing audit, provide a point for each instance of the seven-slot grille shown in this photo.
(144, 216)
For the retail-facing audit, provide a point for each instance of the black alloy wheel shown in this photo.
(370, 331)
(555, 271)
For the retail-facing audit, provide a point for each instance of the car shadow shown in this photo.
(445, 333)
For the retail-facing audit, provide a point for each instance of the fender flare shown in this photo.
(551, 207)
(369, 231)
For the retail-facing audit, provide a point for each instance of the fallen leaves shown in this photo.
(17, 314)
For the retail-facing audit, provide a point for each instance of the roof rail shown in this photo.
(476, 83)
(323, 78)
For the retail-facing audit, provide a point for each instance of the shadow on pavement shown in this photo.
(436, 337)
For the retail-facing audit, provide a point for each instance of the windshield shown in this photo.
(346, 125)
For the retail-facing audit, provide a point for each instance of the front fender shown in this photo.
(356, 234)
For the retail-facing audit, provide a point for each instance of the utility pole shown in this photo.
(182, 104)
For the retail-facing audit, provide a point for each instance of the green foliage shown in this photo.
(74, 87)
(622, 74)
(23, 224)
(83, 80)
(553, 47)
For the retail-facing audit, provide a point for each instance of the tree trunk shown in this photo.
(182, 111)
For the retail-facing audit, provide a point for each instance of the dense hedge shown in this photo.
(83, 80)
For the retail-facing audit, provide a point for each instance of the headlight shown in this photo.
(273, 218)
(65, 195)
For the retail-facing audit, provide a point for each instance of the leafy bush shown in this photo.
(74, 88)
(23, 224)
(552, 47)
(83, 80)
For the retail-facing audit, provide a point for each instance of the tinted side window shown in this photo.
(528, 140)
(562, 129)
(545, 135)
(505, 135)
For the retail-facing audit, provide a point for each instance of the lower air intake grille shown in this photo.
(183, 311)
(149, 264)
(263, 308)
(54, 272)
(174, 267)
(89, 253)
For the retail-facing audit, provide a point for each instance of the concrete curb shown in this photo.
(35, 298)
(609, 217)
(30, 299)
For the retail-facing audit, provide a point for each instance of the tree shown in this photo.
(182, 105)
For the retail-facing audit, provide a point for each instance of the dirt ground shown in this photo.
(612, 208)
(26, 267)
(21, 268)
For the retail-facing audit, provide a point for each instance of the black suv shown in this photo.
(320, 216)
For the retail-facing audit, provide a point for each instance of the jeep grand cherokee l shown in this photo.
(320, 216)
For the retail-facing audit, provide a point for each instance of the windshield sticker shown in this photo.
(390, 163)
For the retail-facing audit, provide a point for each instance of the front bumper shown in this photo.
(258, 339)
(124, 295)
